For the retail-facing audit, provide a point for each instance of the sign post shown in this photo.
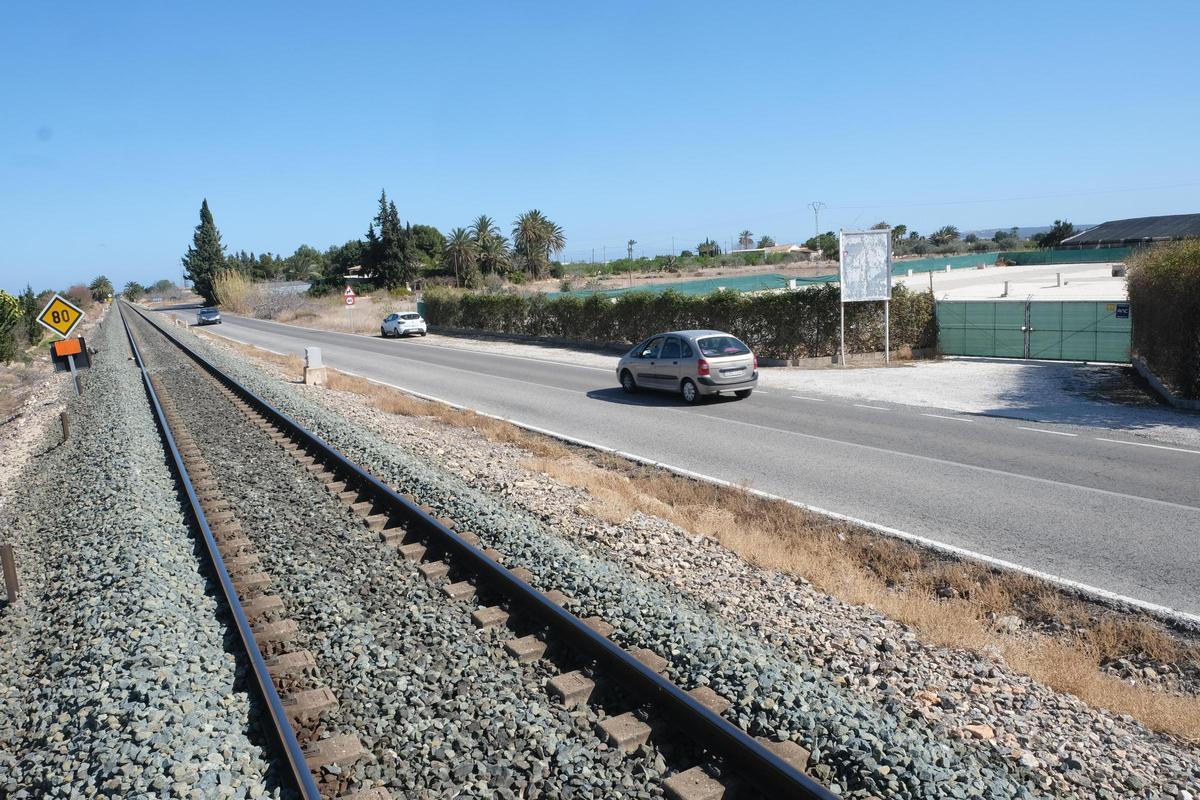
(865, 273)
(349, 295)
(61, 316)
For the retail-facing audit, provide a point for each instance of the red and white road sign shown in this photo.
(349, 295)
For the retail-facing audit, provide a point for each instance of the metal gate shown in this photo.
(1059, 330)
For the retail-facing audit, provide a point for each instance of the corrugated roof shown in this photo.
(1139, 229)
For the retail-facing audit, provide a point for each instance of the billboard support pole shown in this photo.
(842, 329)
(887, 333)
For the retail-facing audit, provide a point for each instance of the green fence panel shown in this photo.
(1010, 330)
(1066, 331)
(1095, 255)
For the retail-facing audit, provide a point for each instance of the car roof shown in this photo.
(693, 334)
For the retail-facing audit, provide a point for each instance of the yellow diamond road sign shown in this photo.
(60, 316)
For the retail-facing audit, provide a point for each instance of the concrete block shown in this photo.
(526, 649)
(574, 688)
(599, 626)
(340, 750)
(309, 703)
(787, 751)
(710, 699)
(651, 659)
(490, 617)
(434, 570)
(293, 663)
(414, 551)
(625, 732)
(462, 590)
(261, 606)
(694, 784)
(558, 598)
(522, 574)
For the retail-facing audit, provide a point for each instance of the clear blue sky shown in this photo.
(641, 120)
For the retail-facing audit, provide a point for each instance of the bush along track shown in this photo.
(115, 680)
(859, 748)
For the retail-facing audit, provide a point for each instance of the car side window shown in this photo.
(685, 350)
(671, 348)
(390, 318)
(651, 348)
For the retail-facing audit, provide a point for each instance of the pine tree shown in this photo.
(389, 248)
(205, 257)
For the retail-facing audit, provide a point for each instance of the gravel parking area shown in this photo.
(115, 680)
(1066, 748)
(859, 747)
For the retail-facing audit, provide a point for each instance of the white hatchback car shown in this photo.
(402, 323)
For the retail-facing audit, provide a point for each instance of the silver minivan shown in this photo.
(693, 363)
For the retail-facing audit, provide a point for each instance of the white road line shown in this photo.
(961, 552)
(1043, 430)
(809, 399)
(1144, 444)
(959, 464)
(873, 408)
(943, 416)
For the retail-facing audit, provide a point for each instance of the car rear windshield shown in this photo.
(410, 316)
(717, 346)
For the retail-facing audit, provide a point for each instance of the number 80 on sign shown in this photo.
(60, 316)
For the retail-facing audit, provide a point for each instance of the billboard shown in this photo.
(866, 265)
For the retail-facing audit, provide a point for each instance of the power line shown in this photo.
(886, 204)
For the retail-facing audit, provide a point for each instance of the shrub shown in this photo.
(556, 270)
(781, 325)
(235, 291)
(1164, 289)
(10, 315)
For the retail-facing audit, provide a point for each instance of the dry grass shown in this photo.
(948, 603)
(331, 314)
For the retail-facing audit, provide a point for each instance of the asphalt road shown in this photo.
(1086, 504)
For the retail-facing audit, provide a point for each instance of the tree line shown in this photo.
(393, 254)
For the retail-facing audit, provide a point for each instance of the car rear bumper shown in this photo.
(707, 386)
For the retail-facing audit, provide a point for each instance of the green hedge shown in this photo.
(1164, 287)
(784, 325)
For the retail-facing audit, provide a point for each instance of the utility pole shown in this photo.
(816, 206)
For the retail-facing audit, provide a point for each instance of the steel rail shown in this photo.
(287, 741)
(753, 763)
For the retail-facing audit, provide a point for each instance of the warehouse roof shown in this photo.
(1138, 229)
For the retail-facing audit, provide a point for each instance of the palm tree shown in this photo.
(483, 228)
(493, 254)
(944, 235)
(461, 251)
(746, 240)
(535, 237)
(629, 248)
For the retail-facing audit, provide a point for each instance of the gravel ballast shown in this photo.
(115, 680)
(438, 705)
(860, 748)
(1073, 750)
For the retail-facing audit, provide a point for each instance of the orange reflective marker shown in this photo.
(67, 347)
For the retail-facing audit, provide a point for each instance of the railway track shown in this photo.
(634, 704)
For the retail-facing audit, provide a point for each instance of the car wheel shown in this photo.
(382, 333)
(742, 394)
(627, 382)
(424, 333)
(689, 392)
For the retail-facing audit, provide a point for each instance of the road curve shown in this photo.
(1088, 504)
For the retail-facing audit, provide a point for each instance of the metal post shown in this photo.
(887, 332)
(842, 328)
(74, 374)
(66, 425)
(10, 571)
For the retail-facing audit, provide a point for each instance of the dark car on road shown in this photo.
(208, 316)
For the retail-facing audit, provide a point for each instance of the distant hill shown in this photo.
(1025, 233)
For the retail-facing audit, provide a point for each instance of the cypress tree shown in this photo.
(389, 247)
(205, 257)
(29, 313)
